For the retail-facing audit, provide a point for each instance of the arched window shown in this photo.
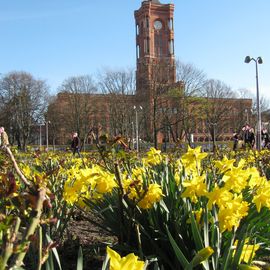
(146, 45)
(138, 51)
(171, 46)
(158, 44)
(147, 22)
(170, 23)
(137, 29)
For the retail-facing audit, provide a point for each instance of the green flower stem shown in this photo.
(121, 207)
(39, 248)
(18, 261)
(139, 241)
(7, 252)
(25, 181)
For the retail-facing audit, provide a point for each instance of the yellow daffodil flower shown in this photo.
(153, 157)
(248, 252)
(218, 196)
(194, 188)
(225, 164)
(262, 196)
(130, 262)
(153, 195)
(192, 159)
(231, 213)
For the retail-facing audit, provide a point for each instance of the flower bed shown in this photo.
(174, 211)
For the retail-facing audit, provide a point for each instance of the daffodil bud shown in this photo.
(202, 255)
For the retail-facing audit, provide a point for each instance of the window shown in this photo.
(137, 29)
(170, 23)
(158, 44)
(146, 45)
(138, 51)
(147, 22)
(171, 46)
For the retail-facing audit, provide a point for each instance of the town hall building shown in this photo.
(158, 110)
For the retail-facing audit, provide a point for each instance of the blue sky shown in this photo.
(55, 39)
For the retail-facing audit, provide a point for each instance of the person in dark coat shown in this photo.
(252, 138)
(235, 141)
(75, 144)
(265, 138)
(248, 136)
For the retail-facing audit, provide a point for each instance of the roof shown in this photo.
(153, 1)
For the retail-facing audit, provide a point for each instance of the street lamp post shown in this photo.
(132, 126)
(246, 111)
(40, 137)
(47, 134)
(213, 124)
(137, 127)
(259, 121)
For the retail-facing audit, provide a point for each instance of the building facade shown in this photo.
(154, 46)
(158, 111)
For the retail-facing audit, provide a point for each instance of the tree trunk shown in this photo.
(17, 136)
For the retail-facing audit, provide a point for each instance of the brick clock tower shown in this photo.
(154, 46)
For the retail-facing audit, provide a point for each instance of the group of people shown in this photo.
(247, 136)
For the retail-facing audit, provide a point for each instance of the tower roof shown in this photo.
(153, 1)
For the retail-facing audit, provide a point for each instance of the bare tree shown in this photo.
(79, 91)
(24, 100)
(177, 104)
(217, 107)
(120, 82)
(120, 87)
(192, 78)
(244, 93)
(56, 120)
(251, 114)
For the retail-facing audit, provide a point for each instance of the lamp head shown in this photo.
(247, 59)
(259, 59)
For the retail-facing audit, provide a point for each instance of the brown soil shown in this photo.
(92, 239)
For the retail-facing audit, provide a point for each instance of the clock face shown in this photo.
(157, 25)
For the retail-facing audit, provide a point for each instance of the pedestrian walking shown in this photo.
(235, 141)
(265, 138)
(248, 136)
(75, 144)
(252, 138)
